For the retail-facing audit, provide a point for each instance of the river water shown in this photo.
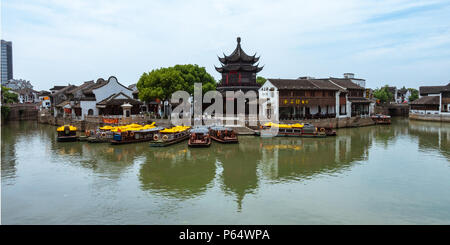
(391, 174)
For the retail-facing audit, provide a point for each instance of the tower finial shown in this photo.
(239, 39)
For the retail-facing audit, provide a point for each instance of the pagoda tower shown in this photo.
(238, 71)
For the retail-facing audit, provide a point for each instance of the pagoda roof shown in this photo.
(238, 56)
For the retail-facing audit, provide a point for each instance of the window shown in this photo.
(90, 112)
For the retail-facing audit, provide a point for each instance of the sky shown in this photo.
(395, 42)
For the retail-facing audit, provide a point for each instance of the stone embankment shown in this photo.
(92, 123)
(22, 112)
(430, 117)
(348, 122)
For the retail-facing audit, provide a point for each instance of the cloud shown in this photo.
(57, 42)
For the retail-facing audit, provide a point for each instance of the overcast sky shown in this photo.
(400, 42)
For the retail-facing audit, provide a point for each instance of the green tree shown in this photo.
(383, 94)
(8, 97)
(414, 94)
(192, 74)
(161, 83)
(260, 80)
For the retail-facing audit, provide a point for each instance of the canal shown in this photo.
(397, 174)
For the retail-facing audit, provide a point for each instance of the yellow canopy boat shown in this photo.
(270, 124)
(175, 129)
(61, 129)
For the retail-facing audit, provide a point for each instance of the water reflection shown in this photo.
(237, 172)
(286, 159)
(239, 162)
(108, 160)
(177, 172)
(13, 133)
(432, 136)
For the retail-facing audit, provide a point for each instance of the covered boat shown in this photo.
(381, 119)
(106, 133)
(295, 130)
(169, 136)
(199, 137)
(100, 135)
(223, 135)
(135, 135)
(67, 133)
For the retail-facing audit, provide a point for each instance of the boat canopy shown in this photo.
(71, 128)
(176, 129)
(132, 127)
(220, 128)
(200, 130)
(297, 125)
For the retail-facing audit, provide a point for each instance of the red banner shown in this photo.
(111, 120)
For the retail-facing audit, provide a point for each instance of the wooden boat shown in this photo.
(135, 136)
(199, 137)
(223, 135)
(100, 135)
(328, 131)
(294, 130)
(170, 136)
(67, 133)
(381, 119)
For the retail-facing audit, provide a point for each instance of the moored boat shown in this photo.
(100, 135)
(135, 135)
(67, 133)
(170, 136)
(294, 130)
(328, 131)
(199, 137)
(381, 119)
(223, 135)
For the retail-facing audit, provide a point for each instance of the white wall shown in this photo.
(271, 97)
(423, 112)
(86, 105)
(112, 87)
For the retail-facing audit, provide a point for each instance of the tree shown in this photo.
(260, 80)
(194, 74)
(8, 97)
(414, 94)
(383, 94)
(162, 83)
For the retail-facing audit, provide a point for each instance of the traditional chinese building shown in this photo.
(238, 73)
(310, 98)
(433, 100)
(103, 97)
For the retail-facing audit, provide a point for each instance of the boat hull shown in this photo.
(225, 141)
(121, 142)
(200, 145)
(161, 143)
(67, 138)
(293, 135)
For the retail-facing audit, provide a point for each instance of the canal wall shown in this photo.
(21, 112)
(348, 122)
(82, 125)
(45, 117)
(430, 117)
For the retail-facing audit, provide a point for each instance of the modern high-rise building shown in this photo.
(6, 62)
